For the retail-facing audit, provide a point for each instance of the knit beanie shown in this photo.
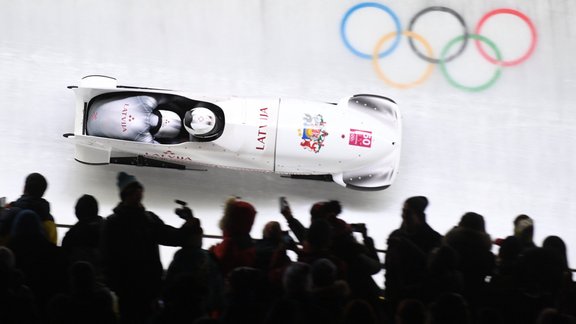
(238, 217)
(124, 180)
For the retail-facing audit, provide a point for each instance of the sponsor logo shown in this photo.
(360, 138)
(125, 119)
(312, 132)
(262, 129)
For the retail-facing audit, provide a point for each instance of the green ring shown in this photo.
(461, 86)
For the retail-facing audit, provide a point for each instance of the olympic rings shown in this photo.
(481, 87)
(410, 35)
(441, 9)
(494, 58)
(370, 5)
(519, 15)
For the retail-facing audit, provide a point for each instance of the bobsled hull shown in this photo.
(356, 141)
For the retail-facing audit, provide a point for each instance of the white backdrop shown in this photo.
(505, 150)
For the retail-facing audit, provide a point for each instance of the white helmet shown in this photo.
(169, 125)
(202, 121)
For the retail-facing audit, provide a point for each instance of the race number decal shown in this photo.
(360, 138)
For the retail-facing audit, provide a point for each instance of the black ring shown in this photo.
(442, 9)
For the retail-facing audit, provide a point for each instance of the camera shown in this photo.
(183, 212)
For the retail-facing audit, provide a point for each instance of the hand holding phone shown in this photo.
(285, 207)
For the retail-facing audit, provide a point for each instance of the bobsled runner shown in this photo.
(355, 142)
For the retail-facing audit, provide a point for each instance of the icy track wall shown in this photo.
(483, 134)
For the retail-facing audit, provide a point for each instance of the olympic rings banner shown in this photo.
(451, 51)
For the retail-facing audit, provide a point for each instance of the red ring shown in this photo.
(517, 14)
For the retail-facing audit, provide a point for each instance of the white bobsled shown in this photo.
(355, 142)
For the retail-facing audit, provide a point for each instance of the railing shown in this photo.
(219, 237)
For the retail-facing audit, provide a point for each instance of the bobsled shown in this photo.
(354, 142)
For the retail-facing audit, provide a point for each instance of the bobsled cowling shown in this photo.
(357, 140)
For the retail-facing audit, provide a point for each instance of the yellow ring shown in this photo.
(381, 75)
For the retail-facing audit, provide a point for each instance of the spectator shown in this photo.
(271, 254)
(42, 263)
(539, 281)
(237, 247)
(553, 316)
(450, 309)
(408, 249)
(508, 254)
(82, 241)
(359, 311)
(328, 292)
(34, 188)
(17, 302)
(318, 245)
(88, 301)
(130, 252)
(556, 244)
(443, 274)
(524, 231)
(567, 295)
(476, 261)
(245, 300)
(194, 286)
(360, 260)
(296, 304)
(411, 311)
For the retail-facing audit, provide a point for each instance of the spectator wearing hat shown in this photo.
(130, 251)
(408, 250)
(237, 246)
(82, 241)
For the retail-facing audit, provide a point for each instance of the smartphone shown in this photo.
(360, 227)
(181, 202)
(283, 203)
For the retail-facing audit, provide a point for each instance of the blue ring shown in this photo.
(374, 5)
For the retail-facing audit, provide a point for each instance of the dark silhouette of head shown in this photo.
(325, 210)
(35, 185)
(238, 217)
(86, 207)
(524, 228)
(411, 311)
(556, 244)
(324, 273)
(450, 308)
(473, 221)
(359, 311)
(413, 211)
(131, 191)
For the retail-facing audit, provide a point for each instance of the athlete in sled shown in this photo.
(355, 142)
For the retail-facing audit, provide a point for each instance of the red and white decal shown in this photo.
(360, 138)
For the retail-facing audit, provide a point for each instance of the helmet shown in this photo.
(170, 124)
(201, 121)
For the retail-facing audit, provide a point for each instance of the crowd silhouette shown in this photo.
(108, 269)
